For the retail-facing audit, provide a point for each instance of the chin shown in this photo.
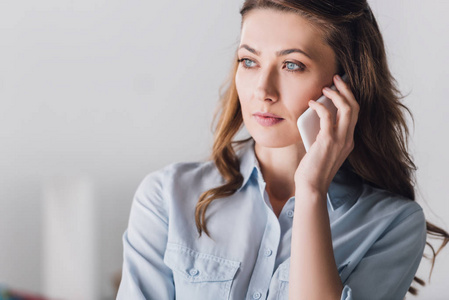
(274, 140)
(277, 136)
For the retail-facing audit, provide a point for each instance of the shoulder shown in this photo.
(387, 211)
(377, 211)
(381, 201)
(176, 182)
(180, 174)
(179, 180)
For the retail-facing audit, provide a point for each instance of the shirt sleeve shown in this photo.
(144, 274)
(387, 269)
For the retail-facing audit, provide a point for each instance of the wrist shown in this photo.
(309, 189)
(310, 194)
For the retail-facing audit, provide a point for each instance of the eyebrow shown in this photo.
(278, 53)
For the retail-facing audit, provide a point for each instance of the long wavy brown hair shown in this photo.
(380, 155)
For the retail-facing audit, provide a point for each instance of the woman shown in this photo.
(337, 222)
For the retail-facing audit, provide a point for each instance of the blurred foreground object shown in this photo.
(9, 294)
(116, 279)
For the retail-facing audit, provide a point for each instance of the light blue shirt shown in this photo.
(378, 238)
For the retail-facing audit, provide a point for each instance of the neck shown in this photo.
(278, 166)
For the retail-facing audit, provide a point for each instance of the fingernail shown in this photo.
(337, 77)
(327, 89)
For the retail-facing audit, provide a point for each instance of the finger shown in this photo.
(326, 125)
(345, 90)
(344, 113)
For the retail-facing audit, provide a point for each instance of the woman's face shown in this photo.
(284, 63)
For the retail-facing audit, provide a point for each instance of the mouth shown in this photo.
(267, 119)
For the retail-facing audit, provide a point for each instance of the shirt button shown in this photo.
(193, 272)
(257, 295)
(268, 252)
(290, 213)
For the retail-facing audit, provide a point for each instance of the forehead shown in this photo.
(270, 30)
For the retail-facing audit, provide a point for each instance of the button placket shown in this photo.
(264, 266)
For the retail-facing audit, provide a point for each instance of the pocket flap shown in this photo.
(199, 267)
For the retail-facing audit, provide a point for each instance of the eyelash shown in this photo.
(300, 65)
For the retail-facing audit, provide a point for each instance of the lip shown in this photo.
(267, 119)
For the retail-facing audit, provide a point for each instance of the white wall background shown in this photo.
(111, 90)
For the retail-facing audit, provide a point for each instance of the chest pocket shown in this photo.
(198, 275)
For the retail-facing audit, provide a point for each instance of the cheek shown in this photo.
(295, 99)
(241, 83)
(244, 90)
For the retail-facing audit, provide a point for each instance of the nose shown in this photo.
(266, 89)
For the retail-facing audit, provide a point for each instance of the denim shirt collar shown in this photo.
(346, 186)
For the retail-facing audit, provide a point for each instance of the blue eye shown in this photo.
(247, 63)
(292, 67)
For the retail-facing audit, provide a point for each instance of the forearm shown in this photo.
(313, 271)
